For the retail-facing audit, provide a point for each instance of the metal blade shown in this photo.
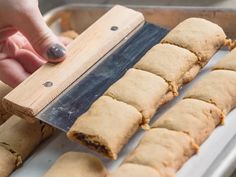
(76, 99)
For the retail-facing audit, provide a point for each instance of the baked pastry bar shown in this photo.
(18, 139)
(218, 87)
(107, 126)
(169, 150)
(169, 62)
(199, 36)
(8, 162)
(134, 170)
(75, 164)
(141, 89)
(194, 117)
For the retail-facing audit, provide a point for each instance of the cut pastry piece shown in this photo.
(8, 162)
(75, 164)
(169, 150)
(194, 117)
(168, 61)
(133, 170)
(228, 62)
(141, 89)
(21, 137)
(200, 36)
(107, 126)
(217, 87)
(4, 90)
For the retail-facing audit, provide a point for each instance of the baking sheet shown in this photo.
(204, 164)
(50, 150)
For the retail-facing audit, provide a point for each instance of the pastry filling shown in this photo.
(93, 144)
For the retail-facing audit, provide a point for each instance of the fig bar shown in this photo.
(17, 141)
(219, 86)
(75, 164)
(199, 36)
(169, 150)
(8, 162)
(134, 170)
(194, 117)
(170, 62)
(107, 126)
(132, 101)
(141, 89)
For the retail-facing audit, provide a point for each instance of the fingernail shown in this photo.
(55, 52)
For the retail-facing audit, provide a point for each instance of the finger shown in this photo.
(28, 60)
(6, 32)
(12, 73)
(65, 40)
(40, 36)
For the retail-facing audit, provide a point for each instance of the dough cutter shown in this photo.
(59, 93)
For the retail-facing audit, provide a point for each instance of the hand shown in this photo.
(18, 57)
(17, 60)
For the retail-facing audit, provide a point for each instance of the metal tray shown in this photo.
(79, 16)
(217, 156)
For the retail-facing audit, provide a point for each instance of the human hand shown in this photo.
(17, 58)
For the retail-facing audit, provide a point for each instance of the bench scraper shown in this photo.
(59, 93)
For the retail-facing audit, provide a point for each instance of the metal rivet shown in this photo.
(114, 28)
(48, 84)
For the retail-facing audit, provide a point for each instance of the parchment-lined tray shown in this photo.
(217, 155)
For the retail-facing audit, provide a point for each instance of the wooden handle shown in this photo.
(31, 96)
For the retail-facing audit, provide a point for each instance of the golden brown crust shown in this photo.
(167, 61)
(106, 130)
(218, 87)
(194, 117)
(169, 150)
(134, 170)
(199, 36)
(231, 44)
(8, 162)
(22, 137)
(76, 164)
(19, 138)
(141, 89)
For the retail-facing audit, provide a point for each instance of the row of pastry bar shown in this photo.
(18, 138)
(132, 101)
(174, 137)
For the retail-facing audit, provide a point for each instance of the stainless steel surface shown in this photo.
(46, 5)
(225, 163)
(79, 16)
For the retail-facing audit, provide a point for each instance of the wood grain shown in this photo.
(4, 90)
(30, 97)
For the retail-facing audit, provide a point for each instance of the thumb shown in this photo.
(45, 43)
